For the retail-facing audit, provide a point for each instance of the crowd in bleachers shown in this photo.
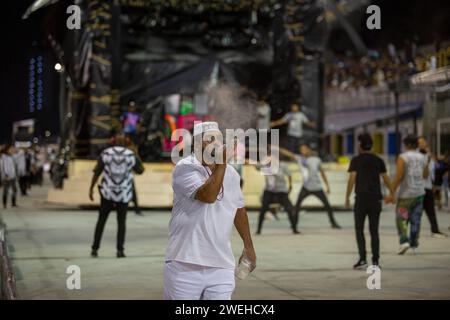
(371, 70)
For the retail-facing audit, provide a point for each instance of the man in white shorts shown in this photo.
(207, 202)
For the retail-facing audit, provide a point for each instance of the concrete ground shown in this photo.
(316, 264)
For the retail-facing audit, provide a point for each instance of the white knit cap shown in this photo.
(204, 127)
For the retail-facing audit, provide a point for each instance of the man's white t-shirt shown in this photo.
(312, 166)
(263, 113)
(199, 233)
(430, 179)
(295, 122)
(413, 183)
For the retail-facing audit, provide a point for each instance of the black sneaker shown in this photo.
(361, 264)
(94, 254)
(336, 226)
(295, 231)
(121, 254)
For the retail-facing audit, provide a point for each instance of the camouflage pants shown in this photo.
(409, 212)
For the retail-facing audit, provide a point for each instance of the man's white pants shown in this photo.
(185, 281)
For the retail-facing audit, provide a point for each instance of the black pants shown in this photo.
(304, 193)
(135, 199)
(39, 176)
(294, 144)
(275, 197)
(428, 206)
(371, 208)
(106, 206)
(23, 185)
(7, 185)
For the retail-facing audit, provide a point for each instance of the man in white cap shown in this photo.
(207, 202)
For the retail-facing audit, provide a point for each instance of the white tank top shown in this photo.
(413, 183)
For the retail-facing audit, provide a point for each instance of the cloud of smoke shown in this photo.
(232, 106)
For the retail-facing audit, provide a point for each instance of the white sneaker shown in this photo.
(403, 248)
(415, 251)
(269, 215)
(439, 235)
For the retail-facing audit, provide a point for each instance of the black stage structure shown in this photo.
(145, 50)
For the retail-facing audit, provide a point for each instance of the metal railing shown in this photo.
(7, 280)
